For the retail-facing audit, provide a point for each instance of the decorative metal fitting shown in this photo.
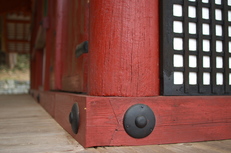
(38, 98)
(139, 121)
(74, 118)
(81, 49)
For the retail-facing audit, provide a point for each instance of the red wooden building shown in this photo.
(127, 72)
(15, 19)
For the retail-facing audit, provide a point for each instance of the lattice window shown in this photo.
(17, 32)
(196, 47)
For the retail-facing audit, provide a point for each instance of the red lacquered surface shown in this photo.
(124, 48)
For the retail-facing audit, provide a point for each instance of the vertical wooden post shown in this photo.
(124, 48)
(60, 41)
(50, 42)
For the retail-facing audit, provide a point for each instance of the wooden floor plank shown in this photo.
(189, 148)
(101, 150)
(26, 127)
(89, 150)
(40, 144)
(120, 149)
(218, 146)
(153, 149)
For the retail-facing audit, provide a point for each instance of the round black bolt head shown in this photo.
(74, 118)
(139, 121)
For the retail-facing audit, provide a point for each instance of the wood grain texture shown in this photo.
(77, 81)
(34, 94)
(37, 70)
(178, 119)
(60, 44)
(63, 105)
(36, 55)
(25, 128)
(49, 54)
(47, 101)
(124, 48)
(75, 70)
(198, 147)
(101, 122)
(33, 130)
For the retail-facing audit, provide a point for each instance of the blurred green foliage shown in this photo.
(23, 63)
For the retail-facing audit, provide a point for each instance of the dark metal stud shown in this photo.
(81, 49)
(74, 118)
(139, 121)
(38, 98)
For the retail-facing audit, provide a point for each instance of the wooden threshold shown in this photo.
(179, 119)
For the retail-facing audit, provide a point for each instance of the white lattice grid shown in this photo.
(178, 59)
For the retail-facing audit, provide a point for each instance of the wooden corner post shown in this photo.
(124, 48)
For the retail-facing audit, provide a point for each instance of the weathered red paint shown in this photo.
(50, 45)
(36, 55)
(178, 118)
(47, 101)
(36, 70)
(39, 70)
(15, 6)
(123, 62)
(124, 48)
(61, 41)
(74, 77)
(66, 26)
(62, 111)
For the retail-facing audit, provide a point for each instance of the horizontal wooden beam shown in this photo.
(18, 21)
(178, 118)
(9, 6)
(17, 41)
(18, 52)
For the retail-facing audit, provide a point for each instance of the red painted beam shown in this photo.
(178, 118)
(18, 21)
(23, 52)
(124, 48)
(15, 5)
(47, 100)
(17, 41)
